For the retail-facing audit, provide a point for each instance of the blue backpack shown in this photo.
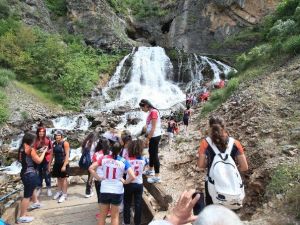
(85, 159)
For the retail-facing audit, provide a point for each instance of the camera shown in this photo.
(200, 204)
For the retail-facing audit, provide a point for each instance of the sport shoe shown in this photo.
(153, 180)
(35, 205)
(57, 195)
(49, 192)
(90, 195)
(62, 198)
(149, 172)
(25, 219)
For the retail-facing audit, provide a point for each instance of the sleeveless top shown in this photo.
(28, 165)
(59, 152)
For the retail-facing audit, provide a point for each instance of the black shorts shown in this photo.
(30, 181)
(186, 122)
(109, 198)
(56, 172)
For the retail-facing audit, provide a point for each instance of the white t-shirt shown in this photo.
(96, 157)
(113, 170)
(153, 114)
(137, 164)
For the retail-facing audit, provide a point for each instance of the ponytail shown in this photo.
(218, 136)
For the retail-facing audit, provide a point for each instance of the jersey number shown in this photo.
(136, 170)
(114, 172)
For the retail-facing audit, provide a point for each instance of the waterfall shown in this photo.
(148, 79)
(77, 122)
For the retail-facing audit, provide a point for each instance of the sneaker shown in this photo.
(25, 219)
(57, 195)
(89, 195)
(152, 180)
(35, 205)
(149, 172)
(49, 192)
(62, 198)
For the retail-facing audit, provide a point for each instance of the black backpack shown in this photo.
(85, 159)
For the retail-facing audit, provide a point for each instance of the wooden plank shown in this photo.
(158, 192)
(148, 212)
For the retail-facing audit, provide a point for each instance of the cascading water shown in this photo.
(148, 79)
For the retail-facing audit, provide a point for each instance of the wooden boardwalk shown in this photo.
(76, 210)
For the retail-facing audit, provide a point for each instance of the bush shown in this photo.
(58, 7)
(292, 44)
(4, 9)
(282, 29)
(5, 76)
(293, 201)
(286, 8)
(4, 113)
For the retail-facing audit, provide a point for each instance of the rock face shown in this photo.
(33, 13)
(98, 24)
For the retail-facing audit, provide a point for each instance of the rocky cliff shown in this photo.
(190, 25)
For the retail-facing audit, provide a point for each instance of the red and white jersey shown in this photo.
(97, 156)
(153, 114)
(137, 164)
(113, 170)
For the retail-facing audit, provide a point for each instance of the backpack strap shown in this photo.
(217, 151)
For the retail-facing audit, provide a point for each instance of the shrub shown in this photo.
(282, 29)
(5, 76)
(4, 113)
(58, 7)
(292, 44)
(293, 201)
(286, 8)
(4, 9)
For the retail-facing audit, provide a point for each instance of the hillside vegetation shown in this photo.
(61, 65)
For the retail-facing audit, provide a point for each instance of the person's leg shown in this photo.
(64, 185)
(47, 175)
(151, 157)
(115, 214)
(128, 192)
(40, 177)
(153, 148)
(24, 206)
(138, 192)
(88, 185)
(97, 187)
(59, 184)
(103, 213)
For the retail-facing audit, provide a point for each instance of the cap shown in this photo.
(59, 132)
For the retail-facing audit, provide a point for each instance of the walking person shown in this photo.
(29, 159)
(44, 168)
(171, 129)
(153, 135)
(186, 116)
(102, 149)
(111, 192)
(61, 154)
(219, 142)
(135, 188)
(88, 148)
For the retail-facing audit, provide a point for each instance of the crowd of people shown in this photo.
(115, 163)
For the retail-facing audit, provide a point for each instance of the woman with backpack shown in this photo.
(29, 158)
(61, 154)
(102, 149)
(44, 168)
(186, 116)
(153, 135)
(111, 192)
(134, 190)
(88, 149)
(219, 146)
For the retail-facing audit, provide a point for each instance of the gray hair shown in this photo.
(217, 215)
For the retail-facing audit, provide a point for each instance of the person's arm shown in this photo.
(242, 163)
(202, 160)
(50, 149)
(130, 178)
(67, 154)
(241, 157)
(35, 157)
(182, 212)
(92, 170)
